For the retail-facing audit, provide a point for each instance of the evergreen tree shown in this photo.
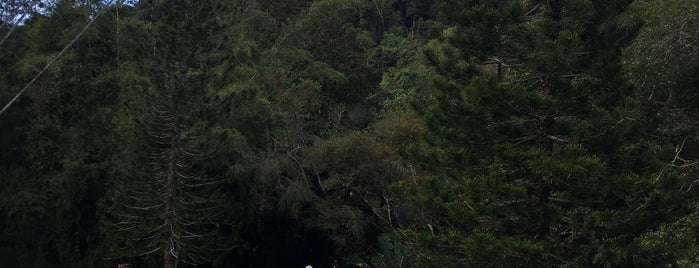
(476, 133)
(515, 163)
(60, 137)
(661, 63)
(164, 197)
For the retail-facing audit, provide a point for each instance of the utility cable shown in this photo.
(12, 29)
(55, 58)
(16, 21)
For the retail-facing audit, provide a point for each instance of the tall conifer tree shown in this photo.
(165, 200)
(517, 148)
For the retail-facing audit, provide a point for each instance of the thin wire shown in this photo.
(118, 47)
(150, 24)
(10, 12)
(9, 15)
(55, 58)
(12, 29)
(17, 22)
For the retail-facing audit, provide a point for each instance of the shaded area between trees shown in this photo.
(384, 133)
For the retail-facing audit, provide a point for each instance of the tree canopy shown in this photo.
(348, 133)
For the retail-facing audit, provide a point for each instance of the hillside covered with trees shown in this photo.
(381, 133)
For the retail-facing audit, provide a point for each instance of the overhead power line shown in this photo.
(55, 58)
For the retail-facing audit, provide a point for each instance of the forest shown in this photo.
(349, 133)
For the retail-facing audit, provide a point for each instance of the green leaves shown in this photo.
(496, 133)
(515, 161)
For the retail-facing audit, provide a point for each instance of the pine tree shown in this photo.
(164, 200)
(61, 135)
(517, 162)
(661, 63)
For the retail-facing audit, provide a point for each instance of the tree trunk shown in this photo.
(545, 124)
(169, 260)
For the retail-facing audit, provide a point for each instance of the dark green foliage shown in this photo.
(392, 255)
(515, 164)
(389, 133)
(61, 145)
(180, 184)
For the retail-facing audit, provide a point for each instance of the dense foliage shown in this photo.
(381, 133)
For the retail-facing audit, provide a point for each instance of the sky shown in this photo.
(18, 11)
